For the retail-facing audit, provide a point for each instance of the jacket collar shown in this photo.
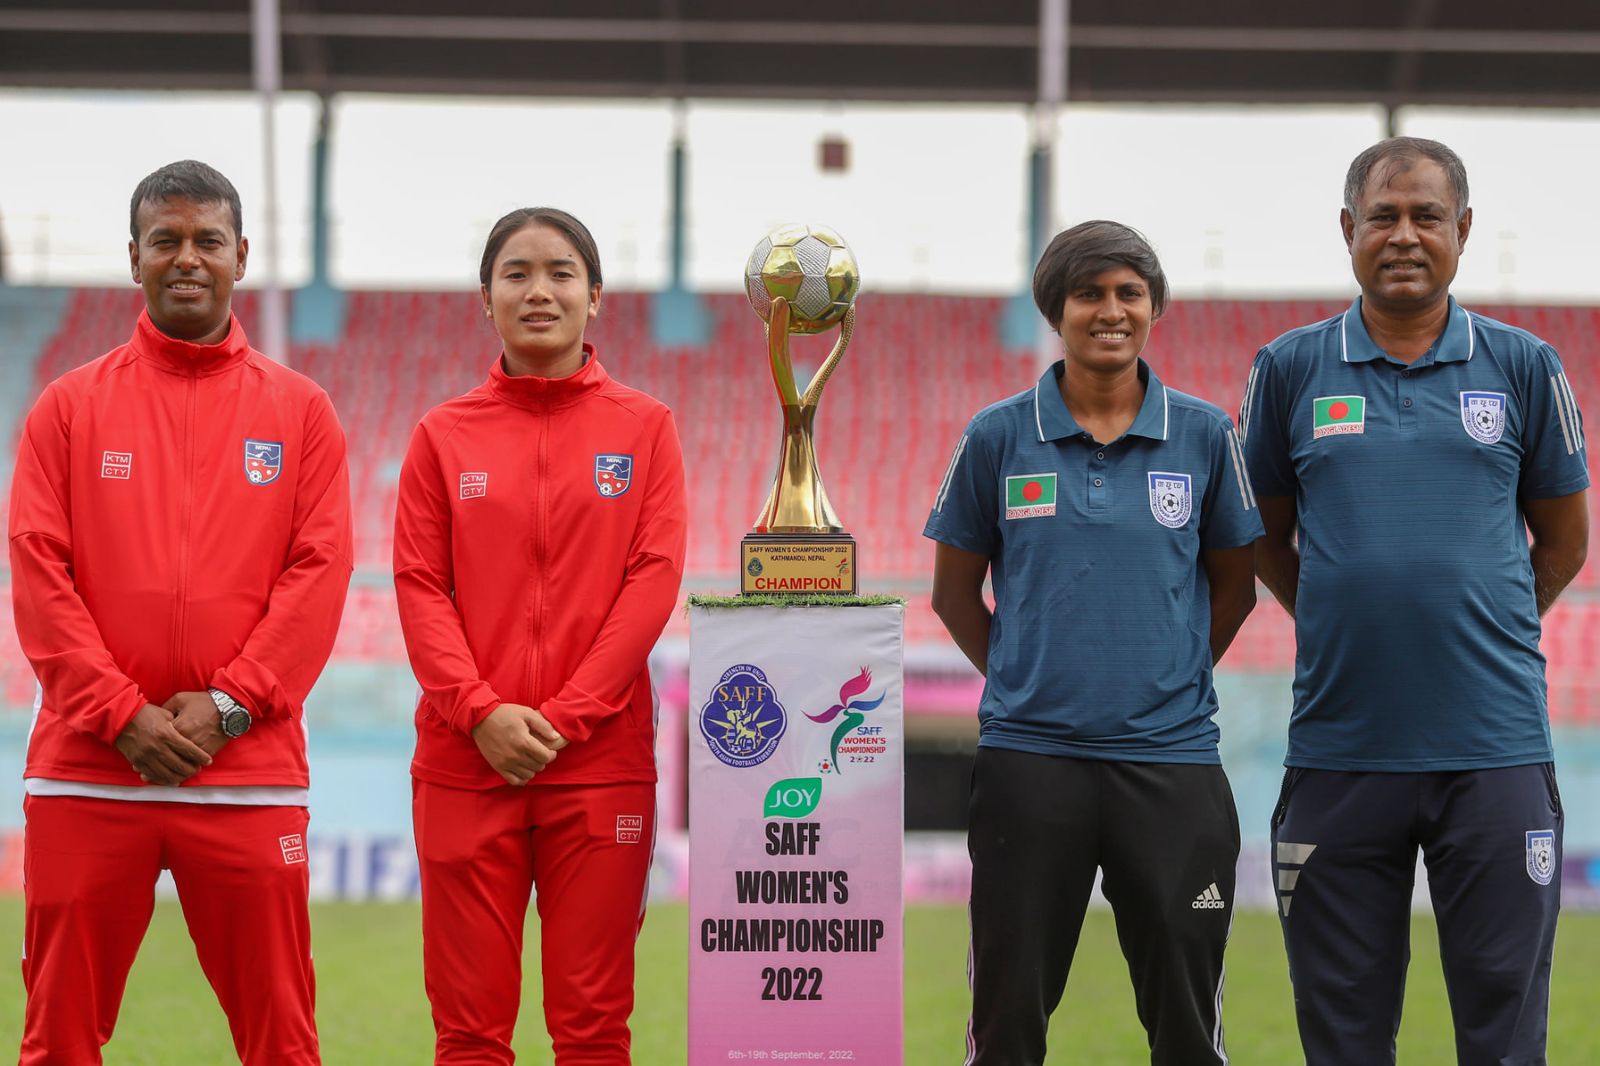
(182, 357)
(537, 393)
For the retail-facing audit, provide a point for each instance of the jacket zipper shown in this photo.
(180, 619)
(536, 612)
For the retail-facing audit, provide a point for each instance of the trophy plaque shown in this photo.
(802, 280)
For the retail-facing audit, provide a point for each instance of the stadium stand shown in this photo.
(919, 366)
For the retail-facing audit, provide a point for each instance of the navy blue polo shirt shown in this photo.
(1100, 646)
(1415, 616)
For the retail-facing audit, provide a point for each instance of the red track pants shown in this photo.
(587, 848)
(90, 868)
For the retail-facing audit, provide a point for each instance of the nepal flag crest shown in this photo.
(263, 461)
(613, 474)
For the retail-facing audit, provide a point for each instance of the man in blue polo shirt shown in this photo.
(1416, 446)
(1116, 519)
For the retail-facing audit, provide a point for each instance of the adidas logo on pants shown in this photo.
(1209, 900)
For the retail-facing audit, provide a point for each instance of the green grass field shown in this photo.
(372, 1011)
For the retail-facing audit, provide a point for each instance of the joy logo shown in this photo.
(793, 797)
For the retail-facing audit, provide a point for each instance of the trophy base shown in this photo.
(797, 564)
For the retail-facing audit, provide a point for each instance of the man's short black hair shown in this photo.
(187, 179)
(1404, 152)
(1078, 255)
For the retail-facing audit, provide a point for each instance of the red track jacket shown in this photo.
(180, 519)
(538, 550)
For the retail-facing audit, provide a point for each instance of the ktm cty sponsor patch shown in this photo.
(294, 848)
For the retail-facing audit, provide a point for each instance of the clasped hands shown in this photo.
(517, 741)
(169, 744)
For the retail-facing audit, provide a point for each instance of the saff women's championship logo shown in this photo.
(743, 720)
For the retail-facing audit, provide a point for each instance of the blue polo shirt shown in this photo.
(1415, 618)
(1100, 646)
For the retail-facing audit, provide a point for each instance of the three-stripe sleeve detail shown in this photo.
(1247, 492)
(1248, 407)
(949, 474)
(1567, 411)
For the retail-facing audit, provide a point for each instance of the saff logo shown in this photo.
(263, 461)
(613, 474)
(743, 720)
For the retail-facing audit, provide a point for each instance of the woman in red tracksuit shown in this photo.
(539, 543)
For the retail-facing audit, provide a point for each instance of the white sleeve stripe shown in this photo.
(1561, 411)
(1572, 406)
(949, 474)
(1247, 493)
(1249, 402)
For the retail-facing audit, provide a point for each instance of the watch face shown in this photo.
(235, 723)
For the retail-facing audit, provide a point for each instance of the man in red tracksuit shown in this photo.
(180, 551)
(539, 543)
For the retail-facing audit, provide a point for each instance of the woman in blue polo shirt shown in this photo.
(1116, 520)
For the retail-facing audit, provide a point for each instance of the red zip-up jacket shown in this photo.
(538, 550)
(180, 520)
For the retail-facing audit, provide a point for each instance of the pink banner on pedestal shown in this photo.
(796, 819)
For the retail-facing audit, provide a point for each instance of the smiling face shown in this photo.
(541, 300)
(1105, 321)
(187, 258)
(1405, 238)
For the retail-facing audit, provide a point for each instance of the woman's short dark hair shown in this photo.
(187, 179)
(1404, 152)
(556, 219)
(1078, 255)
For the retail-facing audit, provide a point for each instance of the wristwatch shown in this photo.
(235, 719)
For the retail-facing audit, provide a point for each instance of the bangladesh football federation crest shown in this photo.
(1171, 498)
(263, 461)
(613, 474)
(1541, 855)
(743, 720)
(1484, 415)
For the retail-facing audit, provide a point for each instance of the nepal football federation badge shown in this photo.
(1484, 415)
(743, 720)
(1171, 498)
(613, 474)
(263, 461)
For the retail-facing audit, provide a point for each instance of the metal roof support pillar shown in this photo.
(677, 315)
(1022, 326)
(264, 26)
(318, 313)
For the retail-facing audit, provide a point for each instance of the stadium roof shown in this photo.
(1391, 52)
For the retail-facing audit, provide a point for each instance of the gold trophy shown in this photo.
(801, 279)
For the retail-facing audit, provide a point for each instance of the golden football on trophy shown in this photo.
(809, 266)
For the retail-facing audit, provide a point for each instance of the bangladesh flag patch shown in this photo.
(1031, 496)
(1331, 415)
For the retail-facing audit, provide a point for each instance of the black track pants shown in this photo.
(1166, 836)
(1344, 859)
